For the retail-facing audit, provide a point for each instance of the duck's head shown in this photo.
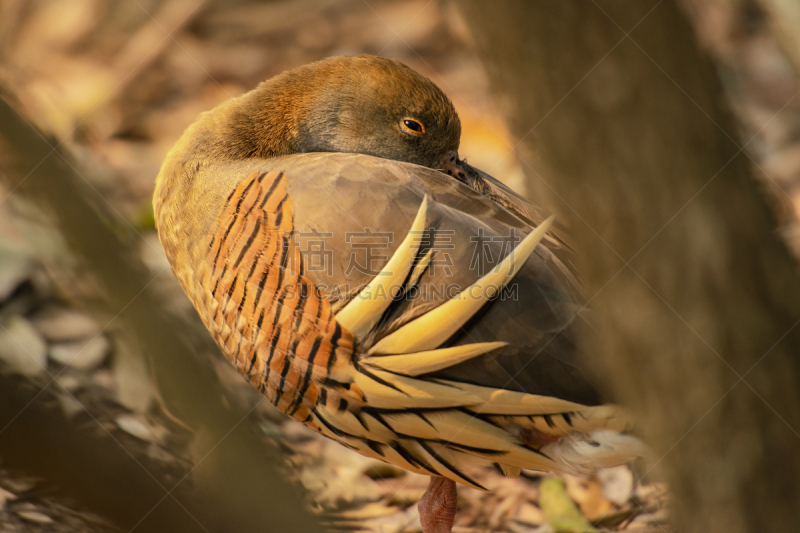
(358, 104)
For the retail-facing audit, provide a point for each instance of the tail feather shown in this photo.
(587, 452)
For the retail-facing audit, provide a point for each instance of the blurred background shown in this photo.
(100, 433)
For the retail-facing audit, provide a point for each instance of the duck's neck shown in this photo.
(194, 179)
(258, 124)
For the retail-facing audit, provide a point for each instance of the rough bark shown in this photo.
(624, 133)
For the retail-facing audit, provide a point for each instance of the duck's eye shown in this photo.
(414, 126)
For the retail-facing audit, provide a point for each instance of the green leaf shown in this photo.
(559, 510)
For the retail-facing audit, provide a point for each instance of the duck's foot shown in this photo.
(437, 508)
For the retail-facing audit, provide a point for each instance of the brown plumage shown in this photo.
(431, 383)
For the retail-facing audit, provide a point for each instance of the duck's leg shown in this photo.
(437, 508)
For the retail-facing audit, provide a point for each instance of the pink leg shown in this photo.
(437, 508)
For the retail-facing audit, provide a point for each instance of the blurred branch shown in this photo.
(138, 53)
(624, 134)
(237, 486)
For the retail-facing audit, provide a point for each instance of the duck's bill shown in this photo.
(485, 184)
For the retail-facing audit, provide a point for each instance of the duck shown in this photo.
(374, 286)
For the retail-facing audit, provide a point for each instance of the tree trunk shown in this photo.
(624, 134)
